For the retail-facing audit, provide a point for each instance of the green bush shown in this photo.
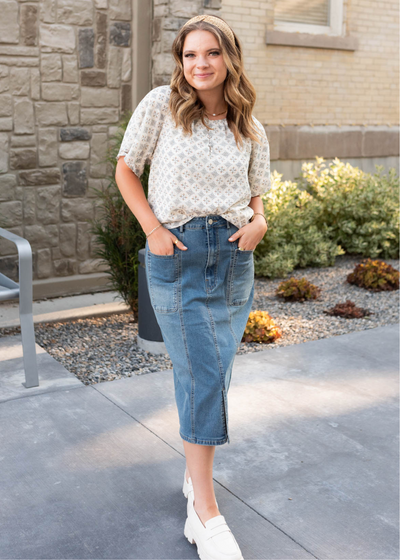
(362, 209)
(119, 235)
(328, 212)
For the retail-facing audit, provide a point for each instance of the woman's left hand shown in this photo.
(251, 234)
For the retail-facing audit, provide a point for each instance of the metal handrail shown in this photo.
(24, 292)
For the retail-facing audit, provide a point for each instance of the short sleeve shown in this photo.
(144, 128)
(259, 165)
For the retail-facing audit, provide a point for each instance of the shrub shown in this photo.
(297, 289)
(118, 232)
(376, 276)
(328, 212)
(293, 238)
(361, 209)
(348, 310)
(261, 328)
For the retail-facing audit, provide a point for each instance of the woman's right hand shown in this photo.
(161, 242)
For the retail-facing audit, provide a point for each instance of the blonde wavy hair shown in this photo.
(239, 93)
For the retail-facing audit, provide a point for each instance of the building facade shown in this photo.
(326, 79)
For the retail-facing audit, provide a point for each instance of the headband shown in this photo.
(214, 21)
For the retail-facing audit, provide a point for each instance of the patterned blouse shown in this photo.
(196, 175)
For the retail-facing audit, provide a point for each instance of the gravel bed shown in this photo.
(104, 348)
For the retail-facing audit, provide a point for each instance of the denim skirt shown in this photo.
(202, 297)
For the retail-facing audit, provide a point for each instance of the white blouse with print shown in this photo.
(196, 175)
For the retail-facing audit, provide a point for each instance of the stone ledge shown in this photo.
(97, 310)
(71, 285)
(296, 39)
(293, 142)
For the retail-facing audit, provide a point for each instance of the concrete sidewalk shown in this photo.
(311, 472)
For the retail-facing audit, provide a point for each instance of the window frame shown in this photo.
(334, 29)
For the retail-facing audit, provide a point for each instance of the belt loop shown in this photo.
(228, 225)
(181, 228)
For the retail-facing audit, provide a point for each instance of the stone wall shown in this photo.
(65, 80)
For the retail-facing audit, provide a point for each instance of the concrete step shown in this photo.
(65, 308)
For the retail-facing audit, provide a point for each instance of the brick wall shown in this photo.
(298, 85)
(65, 78)
(330, 102)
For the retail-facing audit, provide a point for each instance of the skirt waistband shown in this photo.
(203, 222)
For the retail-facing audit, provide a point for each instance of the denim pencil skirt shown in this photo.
(202, 298)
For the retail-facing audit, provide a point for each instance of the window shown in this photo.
(309, 16)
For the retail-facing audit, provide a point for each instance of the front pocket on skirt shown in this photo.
(241, 277)
(163, 273)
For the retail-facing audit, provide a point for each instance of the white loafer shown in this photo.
(215, 540)
(188, 487)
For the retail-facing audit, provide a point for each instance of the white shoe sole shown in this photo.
(187, 531)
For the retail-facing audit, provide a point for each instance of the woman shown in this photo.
(203, 219)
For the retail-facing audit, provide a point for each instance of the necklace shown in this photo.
(208, 131)
(216, 114)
